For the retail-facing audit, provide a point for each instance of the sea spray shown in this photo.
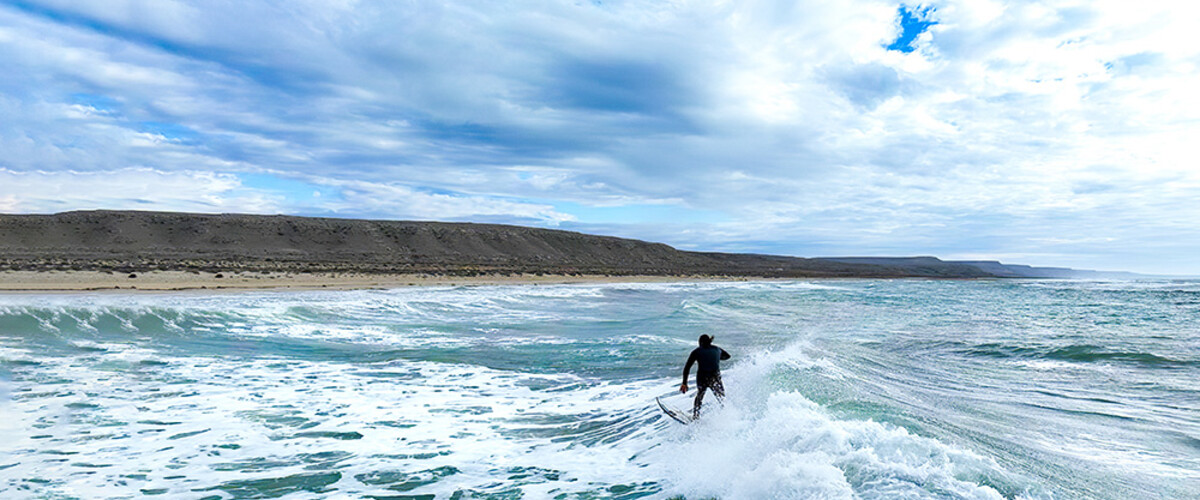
(768, 441)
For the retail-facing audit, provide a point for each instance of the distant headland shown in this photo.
(261, 250)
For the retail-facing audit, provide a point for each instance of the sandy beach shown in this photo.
(185, 280)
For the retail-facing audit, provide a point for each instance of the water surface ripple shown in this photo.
(837, 389)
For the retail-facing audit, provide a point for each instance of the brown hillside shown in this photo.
(127, 241)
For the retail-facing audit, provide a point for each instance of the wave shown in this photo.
(868, 390)
(1077, 353)
(770, 441)
(285, 424)
(1091, 353)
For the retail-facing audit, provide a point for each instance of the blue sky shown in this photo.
(1046, 133)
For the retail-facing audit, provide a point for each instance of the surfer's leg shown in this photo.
(718, 388)
(700, 388)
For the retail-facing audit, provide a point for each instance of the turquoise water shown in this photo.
(837, 389)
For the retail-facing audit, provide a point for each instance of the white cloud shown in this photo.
(36, 191)
(208, 192)
(1010, 125)
(402, 202)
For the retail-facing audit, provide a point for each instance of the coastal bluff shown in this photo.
(134, 241)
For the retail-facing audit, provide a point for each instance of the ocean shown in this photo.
(854, 389)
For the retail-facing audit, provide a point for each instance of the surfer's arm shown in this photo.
(687, 368)
(724, 355)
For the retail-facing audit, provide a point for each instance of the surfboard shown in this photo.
(676, 415)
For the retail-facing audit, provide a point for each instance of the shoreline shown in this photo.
(166, 281)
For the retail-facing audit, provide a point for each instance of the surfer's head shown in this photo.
(705, 341)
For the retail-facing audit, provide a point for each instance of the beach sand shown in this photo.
(184, 280)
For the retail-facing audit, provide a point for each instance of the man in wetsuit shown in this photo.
(708, 358)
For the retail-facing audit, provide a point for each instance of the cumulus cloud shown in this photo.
(365, 198)
(39, 191)
(1048, 129)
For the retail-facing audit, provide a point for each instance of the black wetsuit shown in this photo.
(708, 372)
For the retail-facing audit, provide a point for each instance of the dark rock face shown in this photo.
(138, 241)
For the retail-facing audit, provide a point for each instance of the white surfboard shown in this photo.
(676, 415)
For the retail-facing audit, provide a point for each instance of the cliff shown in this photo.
(128, 241)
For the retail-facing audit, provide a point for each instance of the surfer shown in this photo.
(708, 359)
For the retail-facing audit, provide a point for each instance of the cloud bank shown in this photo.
(1052, 133)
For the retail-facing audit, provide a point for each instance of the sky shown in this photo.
(1037, 132)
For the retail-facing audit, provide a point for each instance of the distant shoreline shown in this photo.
(163, 281)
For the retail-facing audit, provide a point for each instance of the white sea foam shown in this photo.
(778, 444)
(477, 420)
(177, 394)
(791, 448)
(197, 422)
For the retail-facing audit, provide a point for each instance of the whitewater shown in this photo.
(837, 389)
